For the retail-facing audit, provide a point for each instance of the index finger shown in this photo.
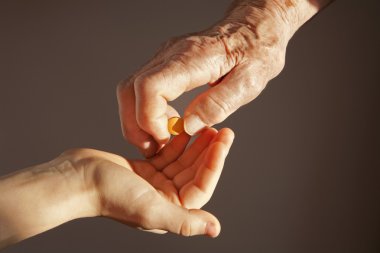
(188, 66)
(197, 192)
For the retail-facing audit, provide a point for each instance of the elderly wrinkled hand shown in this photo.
(236, 57)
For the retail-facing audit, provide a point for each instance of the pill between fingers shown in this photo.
(175, 125)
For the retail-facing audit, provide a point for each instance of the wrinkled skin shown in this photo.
(236, 57)
(222, 59)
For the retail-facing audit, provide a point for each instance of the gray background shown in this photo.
(303, 173)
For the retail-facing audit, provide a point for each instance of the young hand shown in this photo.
(165, 192)
(160, 194)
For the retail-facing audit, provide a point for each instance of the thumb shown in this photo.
(213, 106)
(188, 64)
(182, 221)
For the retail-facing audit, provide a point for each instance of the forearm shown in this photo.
(284, 17)
(39, 198)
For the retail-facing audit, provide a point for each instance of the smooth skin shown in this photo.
(162, 194)
(237, 57)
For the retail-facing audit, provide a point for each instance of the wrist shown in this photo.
(255, 37)
(82, 178)
(96, 179)
(47, 195)
(68, 193)
(277, 19)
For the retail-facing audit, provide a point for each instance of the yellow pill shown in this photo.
(175, 125)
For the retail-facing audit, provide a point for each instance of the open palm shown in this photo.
(166, 192)
(187, 177)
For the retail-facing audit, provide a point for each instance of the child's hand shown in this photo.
(165, 192)
(160, 194)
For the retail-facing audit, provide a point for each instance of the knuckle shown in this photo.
(213, 110)
(146, 85)
(185, 229)
(141, 85)
(252, 88)
(252, 85)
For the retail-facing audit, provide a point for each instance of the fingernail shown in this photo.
(193, 124)
(211, 229)
(146, 145)
(148, 149)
